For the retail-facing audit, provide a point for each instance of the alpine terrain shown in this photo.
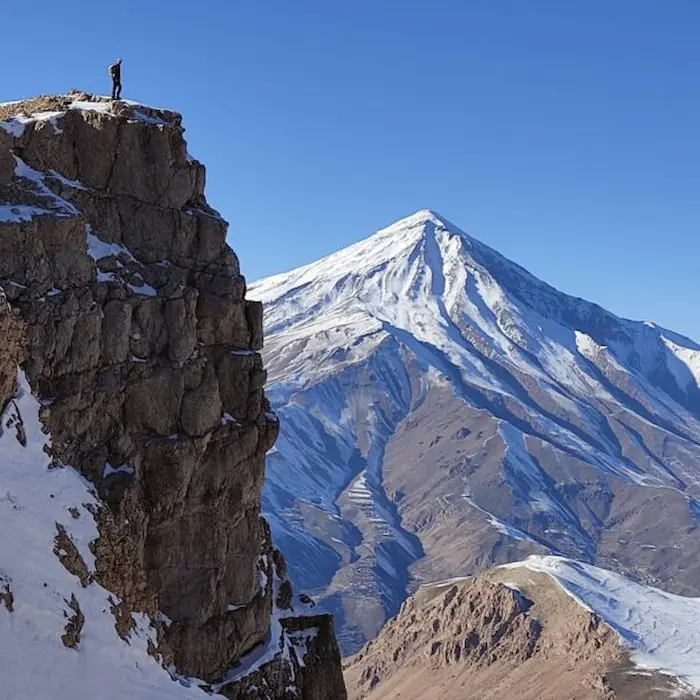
(443, 411)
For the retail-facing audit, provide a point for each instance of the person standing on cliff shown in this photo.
(115, 71)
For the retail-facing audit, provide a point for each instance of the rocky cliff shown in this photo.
(12, 348)
(143, 351)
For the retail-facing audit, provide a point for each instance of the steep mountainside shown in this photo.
(126, 312)
(443, 410)
(544, 629)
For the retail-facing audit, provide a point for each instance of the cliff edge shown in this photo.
(127, 313)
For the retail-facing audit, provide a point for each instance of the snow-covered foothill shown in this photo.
(661, 630)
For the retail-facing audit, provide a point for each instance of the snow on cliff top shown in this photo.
(661, 630)
(88, 104)
(16, 124)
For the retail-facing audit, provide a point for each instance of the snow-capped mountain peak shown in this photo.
(423, 275)
(546, 408)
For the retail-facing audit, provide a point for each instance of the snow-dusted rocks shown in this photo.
(58, 633)
(660, 630)
(139, 344)
(443, 410)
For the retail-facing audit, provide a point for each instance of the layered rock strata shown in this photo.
(143, 350)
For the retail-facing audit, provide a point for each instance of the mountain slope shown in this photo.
(547, 628)
(443, 410)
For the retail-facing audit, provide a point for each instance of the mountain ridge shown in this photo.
(546, 627)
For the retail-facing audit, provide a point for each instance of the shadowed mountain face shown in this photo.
(443, 410)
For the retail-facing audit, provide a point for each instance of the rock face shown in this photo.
(481, 626)
(144, 352)
(12, 349)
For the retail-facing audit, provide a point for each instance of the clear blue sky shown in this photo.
(564, 133)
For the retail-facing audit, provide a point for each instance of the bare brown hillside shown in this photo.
(480, 638)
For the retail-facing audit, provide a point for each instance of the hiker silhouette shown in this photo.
(115, 71)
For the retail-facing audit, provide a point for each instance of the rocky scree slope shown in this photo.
(443, 411)
(547, 628)
(143, 352)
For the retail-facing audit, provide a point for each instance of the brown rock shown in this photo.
(12, 349)
(201, 407)
(74, 626)
(116, 328)
(211, 236)
(142, 381)
(69, 556)
(236, 372)
(7, 164)
(219, 322)
(154, 403)
(151, 320)
(478, 638)
(181, 324)
(147, 231)
(254, 316)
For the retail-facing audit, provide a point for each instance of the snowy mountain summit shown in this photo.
(443, 410)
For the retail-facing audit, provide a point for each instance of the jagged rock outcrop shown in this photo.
(12, 349)
(143, 349)
(478, 626)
